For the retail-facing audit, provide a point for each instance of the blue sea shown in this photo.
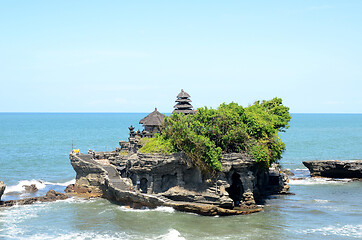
(34, 148)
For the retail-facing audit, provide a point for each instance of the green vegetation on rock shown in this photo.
(158, 144)
(207, 134)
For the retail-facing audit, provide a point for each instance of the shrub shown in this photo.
(207, 134)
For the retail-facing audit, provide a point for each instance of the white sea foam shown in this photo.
(313, 181)
(61, 183)
(11, 217)
(20, 186)
(145, 209)
(354, 231)
(165, 209)
(172, 234)
(320, 200)
(73, 236)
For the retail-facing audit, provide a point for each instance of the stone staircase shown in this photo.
(113, 175)
(165, 199)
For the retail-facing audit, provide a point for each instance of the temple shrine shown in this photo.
(183, 104)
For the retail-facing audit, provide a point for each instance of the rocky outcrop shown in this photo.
(30, 188)
(335, 168)
(51, 196)
(171, 180)
(2, 188)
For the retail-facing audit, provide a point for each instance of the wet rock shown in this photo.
(69, 188)
(30, 188)
(287, 172)
(248, 199)
(51, 196)
(335, 168)
(2, 188)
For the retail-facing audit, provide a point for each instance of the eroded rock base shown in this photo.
(154, 180)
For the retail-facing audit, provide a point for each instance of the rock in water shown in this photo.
(2, 188)
(31, 188)
(51, 196)
(69, 188)
(172, 180)
(335, 168)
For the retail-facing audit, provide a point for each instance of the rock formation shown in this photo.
(30, 188)
(51, 196)
(335, 168)
(2, 188)
(171, 180)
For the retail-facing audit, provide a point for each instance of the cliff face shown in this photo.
(171, 180)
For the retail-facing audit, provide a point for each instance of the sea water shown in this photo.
(34, 149)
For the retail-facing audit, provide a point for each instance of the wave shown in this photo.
(354, 231)
(69, 236)
(61, 183)
(320, 200)
(20, 186)
(315, 181)
(172, 234)
(146, 209)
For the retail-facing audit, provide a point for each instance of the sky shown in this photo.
(133, 56)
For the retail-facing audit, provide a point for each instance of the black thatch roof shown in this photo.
(183, 100)
(185, 105)
(155, 118)
(183, 94)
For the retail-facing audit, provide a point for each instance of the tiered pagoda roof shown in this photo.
(183, 104)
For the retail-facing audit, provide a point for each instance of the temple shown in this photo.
(183, 103)
(152, 122)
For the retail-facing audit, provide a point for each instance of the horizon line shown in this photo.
(163, 112)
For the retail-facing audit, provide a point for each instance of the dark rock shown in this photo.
(287, 172)
(335, 168)
(51, 196)
(2, 188)
(172, 180)
(69, 188)
(30, 188)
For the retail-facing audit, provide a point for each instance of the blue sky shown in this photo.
(123, 56)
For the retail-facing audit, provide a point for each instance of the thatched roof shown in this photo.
(183, 94)
(183, 105)
(183, 100)
(155, 118)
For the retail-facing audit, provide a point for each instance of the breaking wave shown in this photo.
(312, 181)
(172, 234)
(145, 209)
(20, 186)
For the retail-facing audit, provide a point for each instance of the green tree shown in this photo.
(207, 134)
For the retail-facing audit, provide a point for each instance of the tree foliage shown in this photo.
(229, 128)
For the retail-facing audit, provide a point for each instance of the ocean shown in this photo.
(34, 148)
